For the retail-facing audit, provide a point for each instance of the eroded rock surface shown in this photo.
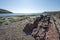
(44, 28)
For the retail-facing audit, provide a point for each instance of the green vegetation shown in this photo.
(4, 11)
(12, 19)
(2, 20)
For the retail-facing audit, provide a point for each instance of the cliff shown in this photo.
(4, 11)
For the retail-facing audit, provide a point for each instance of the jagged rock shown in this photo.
(41, 28)
(44, 28)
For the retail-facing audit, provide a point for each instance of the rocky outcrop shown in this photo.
(44, 28)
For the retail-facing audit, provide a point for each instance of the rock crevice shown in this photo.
(43, 28)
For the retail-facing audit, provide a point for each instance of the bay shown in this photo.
(11, 14)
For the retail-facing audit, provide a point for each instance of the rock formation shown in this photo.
(44, 28)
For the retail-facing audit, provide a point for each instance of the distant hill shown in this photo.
(55, 13)
(4, 11)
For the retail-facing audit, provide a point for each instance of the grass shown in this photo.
(2, 21)
(12, 19)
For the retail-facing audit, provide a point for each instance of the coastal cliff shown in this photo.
(4, 11)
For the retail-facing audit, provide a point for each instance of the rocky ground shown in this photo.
(41, 28)
(14, 31)
(45, 28)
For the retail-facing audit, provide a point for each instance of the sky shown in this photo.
(30, 6)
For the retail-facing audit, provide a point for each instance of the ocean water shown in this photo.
(17, 14)
(11, 14)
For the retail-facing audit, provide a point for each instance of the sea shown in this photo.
(17, 14)
(11, 14)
